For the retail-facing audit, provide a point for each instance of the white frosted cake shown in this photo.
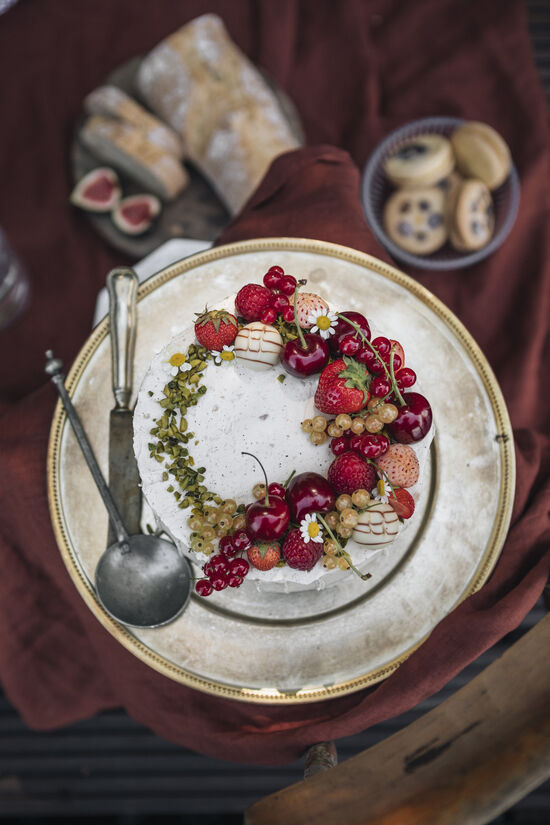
(200, 408)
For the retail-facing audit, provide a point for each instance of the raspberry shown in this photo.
(252, 301)
(299, 554)
(349, 472)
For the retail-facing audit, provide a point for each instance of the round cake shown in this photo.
(281, 442)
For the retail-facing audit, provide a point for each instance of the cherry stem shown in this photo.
(345, 554)
(298, 327)
(263, 471)
(287, 482)
(389, 375)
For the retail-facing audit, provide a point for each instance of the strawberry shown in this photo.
(264, 555)
(343, 387)
(308, 304)
(349, 472)
(299, 554)
(215, 328)
(400, 464)
(252, 300)
(402, 502)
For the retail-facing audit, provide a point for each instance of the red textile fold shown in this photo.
(355, 70)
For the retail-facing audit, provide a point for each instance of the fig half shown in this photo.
(98, 191)
(135, 214)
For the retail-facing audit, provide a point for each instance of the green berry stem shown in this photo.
(345, 554)
(298, 327)
(263, 471)
(389, 375)
(287, 482)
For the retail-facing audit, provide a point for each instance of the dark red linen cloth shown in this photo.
(355, 70)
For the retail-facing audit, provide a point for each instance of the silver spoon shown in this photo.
(141, 581)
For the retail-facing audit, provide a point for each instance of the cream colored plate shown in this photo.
(320, 645)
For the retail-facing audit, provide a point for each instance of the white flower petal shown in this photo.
(318, 538)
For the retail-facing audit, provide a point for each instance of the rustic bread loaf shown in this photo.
(199, 82)
(114, 102)
(128, 149)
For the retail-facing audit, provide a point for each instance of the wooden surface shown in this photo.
(462, 764)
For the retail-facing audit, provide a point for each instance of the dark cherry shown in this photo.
(342, 328)
(287, 284)
(374, 445)
(276, 489)
(380, 386)
(355, 442)
(239, 567)
(267, 521)
(349, 344)
(309, 493)
(413, 420)
(241, 540)
(405, 378)
(339, 444)
(299, 361)
(279, 302)
(203, 587)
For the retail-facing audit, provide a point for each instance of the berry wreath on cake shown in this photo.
(279, 441)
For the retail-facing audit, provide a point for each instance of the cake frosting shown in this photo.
(241, 410)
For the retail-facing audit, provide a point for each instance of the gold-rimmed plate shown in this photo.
(308, 647)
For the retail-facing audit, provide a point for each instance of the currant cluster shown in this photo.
(281, 287)
(223, 569)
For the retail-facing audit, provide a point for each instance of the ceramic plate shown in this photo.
(319, 644)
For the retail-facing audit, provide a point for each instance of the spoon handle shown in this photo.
(122, 284)
(53, 369)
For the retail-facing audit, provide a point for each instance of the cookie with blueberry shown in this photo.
(472, 222)
(415, 219)
(422, 160)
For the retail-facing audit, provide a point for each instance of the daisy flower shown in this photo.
(182, 368)
(226, 354)
(310, 529)
(379, 493)
(323, 324)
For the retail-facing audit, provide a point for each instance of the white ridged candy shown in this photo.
(258, 345)
(377, 526)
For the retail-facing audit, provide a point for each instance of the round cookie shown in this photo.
(415, 219)
(481, 153)
(472, 222)
(420, 161)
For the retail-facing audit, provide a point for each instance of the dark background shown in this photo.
(110, 769)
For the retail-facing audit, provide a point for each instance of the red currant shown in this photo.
(288, 314)
(234, 581)
(380, 386)
(405, 378)
(241, 540)
(272, 277)
(269, 316)
(355, 442)
(365, 355)
(373, 446)
(226, 548)
(239, 567)
(279, 302)
(219, 582)
(276, 489)
(287, 284)
(382, 346)
(339, 445)
(396, 362)
(203, 587)
(207, 569)
(218, 566)
(349, 344)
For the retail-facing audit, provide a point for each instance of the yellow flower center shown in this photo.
(313, 529)
(177, 359)
(323, 322)
(381, 487)
(227, 356)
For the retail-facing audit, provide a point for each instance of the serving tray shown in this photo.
(284, 648)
